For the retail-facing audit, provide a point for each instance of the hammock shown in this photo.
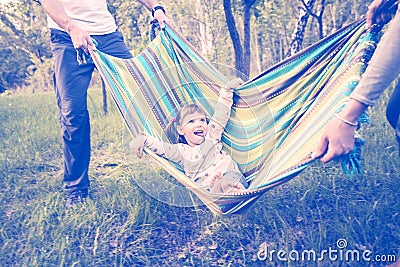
(277, 117)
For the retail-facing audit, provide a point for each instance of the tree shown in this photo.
(246, 35)
(205, 31)
(14, 64)
(298, 34)
(242, 53)
(22, 33)
(319, 17)
(257, 32)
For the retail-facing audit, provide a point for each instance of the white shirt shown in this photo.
(90, 15)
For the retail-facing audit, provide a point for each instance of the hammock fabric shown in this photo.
(277, 117)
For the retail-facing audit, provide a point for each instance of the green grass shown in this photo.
(122, 225)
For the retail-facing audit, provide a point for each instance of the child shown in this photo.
(196, 146)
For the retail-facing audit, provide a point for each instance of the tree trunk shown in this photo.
(246, 36)
(237, 46)
(298, 34)
(319, 17)
(242, 53)
(320, 22)
(205, 34)
(104, 93)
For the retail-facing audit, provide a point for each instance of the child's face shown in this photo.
(194, 128)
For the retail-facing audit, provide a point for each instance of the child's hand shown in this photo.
(138, 144)
(235, 83)
(226, 91)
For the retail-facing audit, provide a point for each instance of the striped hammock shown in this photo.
(277, 117)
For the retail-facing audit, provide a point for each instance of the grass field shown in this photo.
(121, 225)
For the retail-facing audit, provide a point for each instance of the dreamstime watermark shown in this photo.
(339, 253)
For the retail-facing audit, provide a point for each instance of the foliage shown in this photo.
(14, 65)
(23, 31)
(202, 22)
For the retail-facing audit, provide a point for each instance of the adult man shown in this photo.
(384, 67)
(73, 24)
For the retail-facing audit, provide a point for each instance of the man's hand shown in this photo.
(80, 38)
(375, 14)
(160, 16)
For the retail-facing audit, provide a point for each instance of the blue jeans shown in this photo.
(71, 82)
(393, 111)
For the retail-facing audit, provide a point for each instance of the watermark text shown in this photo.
(338, 253)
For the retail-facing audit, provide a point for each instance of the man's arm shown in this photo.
(56, 11)
(375, 13)
(80, 38)
(159, 14)
(150, 4)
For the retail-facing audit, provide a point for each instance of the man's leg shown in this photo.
(71, 83)
(393, 106)
(393, 112)
(397, 129)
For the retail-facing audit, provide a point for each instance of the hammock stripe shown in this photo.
(277, 117)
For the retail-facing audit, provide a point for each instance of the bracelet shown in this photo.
(355, 124)
(157, 8)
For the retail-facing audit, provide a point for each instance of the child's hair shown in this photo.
(171, 130)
